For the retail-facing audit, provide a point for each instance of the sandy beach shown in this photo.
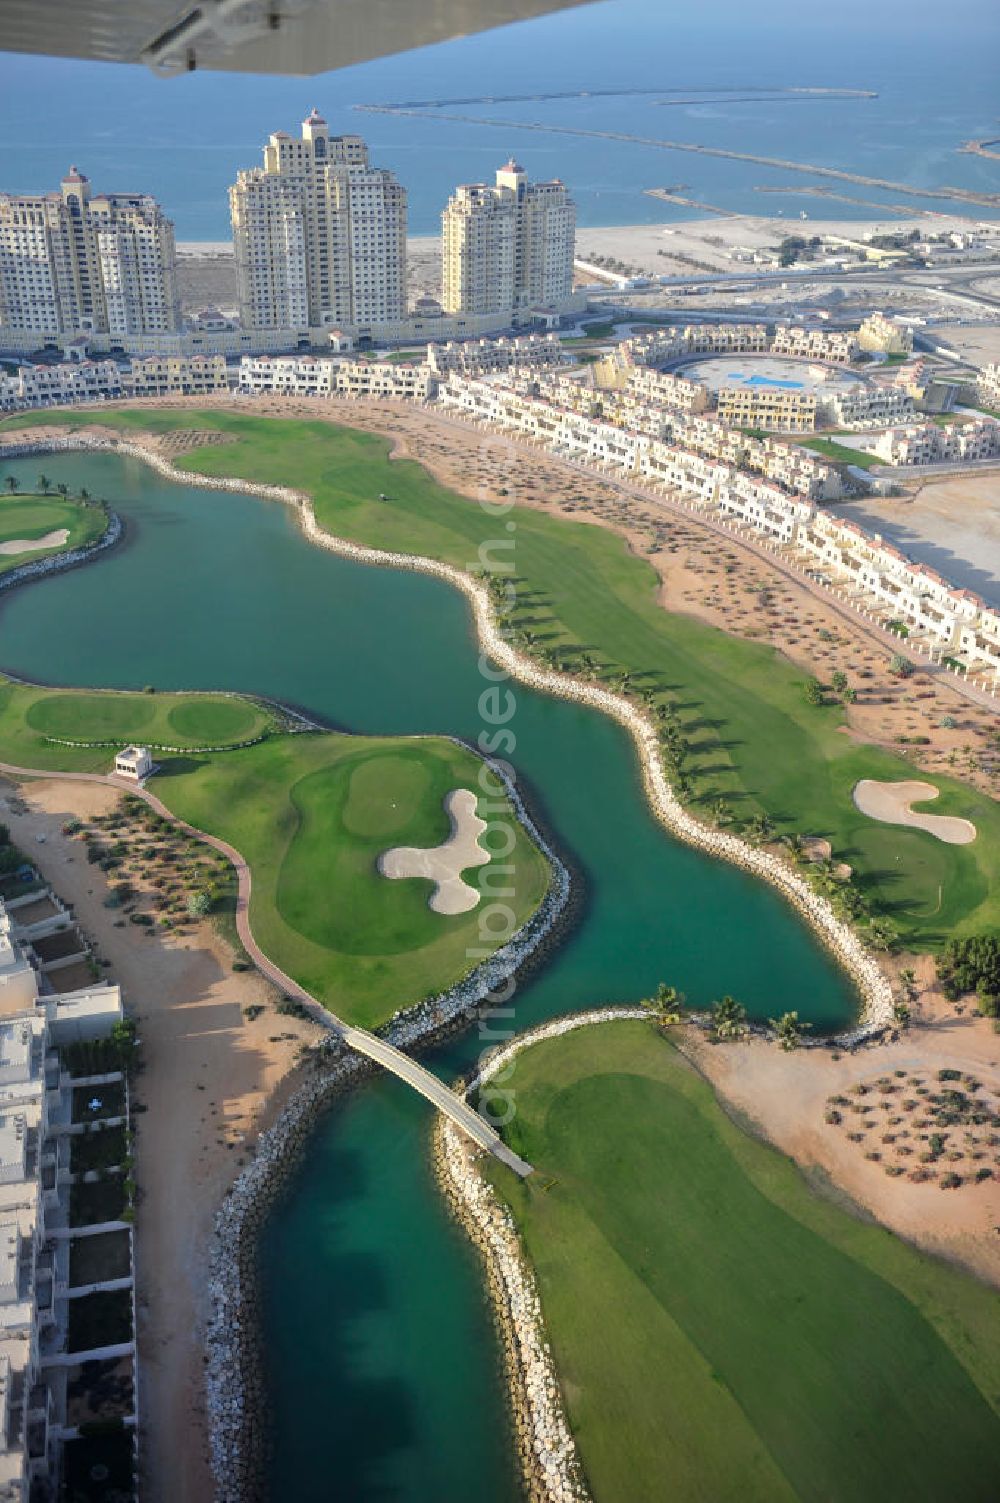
(209, 1083)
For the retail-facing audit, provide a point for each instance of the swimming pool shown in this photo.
(764, 381)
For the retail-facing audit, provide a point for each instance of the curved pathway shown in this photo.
(383, 1053)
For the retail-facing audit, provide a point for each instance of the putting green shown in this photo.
(204, 719)
(29, 715)
(721, 1331)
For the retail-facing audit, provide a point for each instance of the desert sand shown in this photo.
(785, 1095)
(208, 1084)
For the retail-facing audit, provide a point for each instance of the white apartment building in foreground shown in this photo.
(78, 262)
(319, 235)
(507, 246)
(35, 1110)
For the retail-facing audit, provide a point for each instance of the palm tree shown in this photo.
(44, 484)
(667, 1002)
(12, 483)
(84, 494)
(789, 1030)
(63, 488)
(729, 1019)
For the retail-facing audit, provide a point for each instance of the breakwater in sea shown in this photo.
(876, 1013)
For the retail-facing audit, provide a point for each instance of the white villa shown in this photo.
(134, 763)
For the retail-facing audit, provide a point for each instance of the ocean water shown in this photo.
(183, 139)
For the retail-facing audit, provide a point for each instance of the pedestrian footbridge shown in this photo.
(446, 1100)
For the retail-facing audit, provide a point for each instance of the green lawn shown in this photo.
(311, 813)
(721, 1331)
(29, 715)
(828, 448)
(26, 518)
(752, 737)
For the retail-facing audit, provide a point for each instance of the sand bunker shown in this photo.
(32, 545)
(444, 864)
(890, 803)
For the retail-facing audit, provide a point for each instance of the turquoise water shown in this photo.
(935, 74)
(380, 1355)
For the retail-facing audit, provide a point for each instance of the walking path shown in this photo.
(384, 1054)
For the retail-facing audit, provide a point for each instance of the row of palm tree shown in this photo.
(44, 485)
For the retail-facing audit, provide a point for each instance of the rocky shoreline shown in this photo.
(546, 1450)
(57, 562)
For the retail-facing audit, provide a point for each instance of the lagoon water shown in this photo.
(381, 1357)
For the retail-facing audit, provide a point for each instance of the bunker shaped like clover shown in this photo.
(890, 803)
(443, 864)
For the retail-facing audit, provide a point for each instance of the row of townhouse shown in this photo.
(951, 622)
(839, 346)
(794, 469)
(105, 380)
(672, 392)
(988, 386)
(479, 357)
(774, 409)
(314, 376)
(929, 443)
(866, 404)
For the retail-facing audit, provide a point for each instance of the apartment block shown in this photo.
(507, 246)
(662, 390)
(78, 262)
(877, 332)
(319, 235)
(771, 408)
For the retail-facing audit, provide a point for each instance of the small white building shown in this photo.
(134, 762)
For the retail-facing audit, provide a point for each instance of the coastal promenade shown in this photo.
(382, 1053)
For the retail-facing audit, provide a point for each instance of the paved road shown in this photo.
(384, 1054)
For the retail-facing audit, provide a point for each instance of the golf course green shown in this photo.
(27, 518)
(311, 813)
(752, 739)
(720, 1329)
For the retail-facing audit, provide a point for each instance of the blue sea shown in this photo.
(935, 71)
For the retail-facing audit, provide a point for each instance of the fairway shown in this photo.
(752, 738)
(721, 1332)
(31, 517)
